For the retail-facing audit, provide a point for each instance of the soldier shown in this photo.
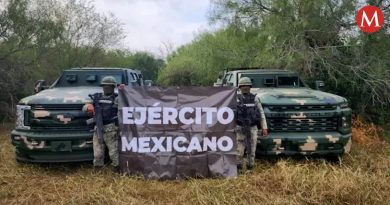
(108, 103)
(250, 116)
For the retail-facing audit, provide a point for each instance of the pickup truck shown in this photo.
(51, 126)
(301, 120)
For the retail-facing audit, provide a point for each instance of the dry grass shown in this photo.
(362, 177)
(366, 134)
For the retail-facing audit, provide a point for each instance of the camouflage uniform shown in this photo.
(241, 145)
(110, 138)
(240, 136)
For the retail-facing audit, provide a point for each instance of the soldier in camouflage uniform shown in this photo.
(253, 114)
(109, 105)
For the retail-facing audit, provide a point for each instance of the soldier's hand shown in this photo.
(264, 132)
(121, 86)
(89, 108)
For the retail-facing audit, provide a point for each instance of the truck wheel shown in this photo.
(333, 158)
(20, 162)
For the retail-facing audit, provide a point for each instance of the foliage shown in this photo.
(39, 39)
(318, 39)
(366, 134)
(209, 53)
(146, 62)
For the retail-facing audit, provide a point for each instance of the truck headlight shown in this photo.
(22, 117)
(346, 121)
(344, 105)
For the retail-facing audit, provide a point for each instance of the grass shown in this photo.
(362, 177)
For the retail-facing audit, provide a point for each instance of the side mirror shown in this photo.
(320, 85)
(39, 86)
(148, 83)
(220, 75)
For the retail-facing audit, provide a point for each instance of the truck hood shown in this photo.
(296, 96)
(63, 95)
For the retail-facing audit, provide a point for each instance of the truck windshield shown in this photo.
(260, 80)
(72, 78)
(288, 81)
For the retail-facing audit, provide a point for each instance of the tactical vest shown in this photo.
(109, 112)
(247, 111)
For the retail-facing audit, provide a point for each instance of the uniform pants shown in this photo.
(241, 145)
(110, 139)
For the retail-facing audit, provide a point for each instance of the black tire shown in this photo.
(334, 158)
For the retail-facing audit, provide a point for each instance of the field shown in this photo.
(361, 177)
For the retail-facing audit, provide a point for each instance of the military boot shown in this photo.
(116, 169)
(239, 169)
(249, 167)
(97, 169)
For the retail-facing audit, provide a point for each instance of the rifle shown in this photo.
(98, 117)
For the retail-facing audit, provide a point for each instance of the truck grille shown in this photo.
(281, 108)
(302, 125)
(58, 118)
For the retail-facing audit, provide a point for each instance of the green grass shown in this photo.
(362, 177)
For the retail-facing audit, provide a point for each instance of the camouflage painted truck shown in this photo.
(51, 126)
(300, 120)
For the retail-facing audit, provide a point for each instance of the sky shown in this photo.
(154, 25)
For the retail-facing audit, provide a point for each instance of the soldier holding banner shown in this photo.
(250, 116)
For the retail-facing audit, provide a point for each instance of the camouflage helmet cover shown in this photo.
(108, 80)
(245, 81)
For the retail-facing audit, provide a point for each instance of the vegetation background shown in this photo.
(319, 39)
(41, 38)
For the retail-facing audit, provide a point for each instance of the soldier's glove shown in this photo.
(264, 132)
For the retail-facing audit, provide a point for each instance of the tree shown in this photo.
(38, 39)
(319, 39)
(147, 63)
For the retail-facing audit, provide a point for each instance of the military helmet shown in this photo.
(245, 81)
(108, 80)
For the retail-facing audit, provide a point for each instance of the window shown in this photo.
(71, 78)
(226, 79)
(287, 81)
(232, 79)
(257, 79)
